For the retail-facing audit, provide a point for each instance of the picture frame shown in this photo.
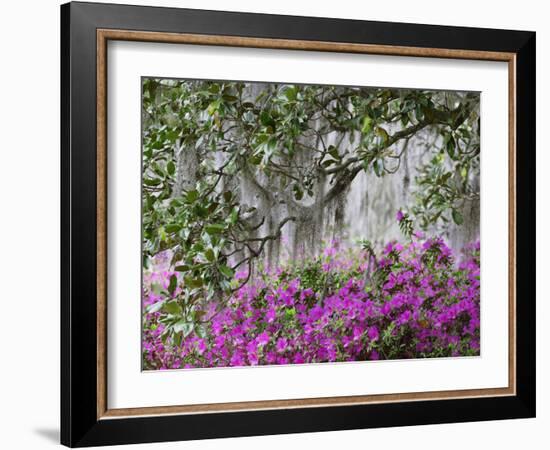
(86, 418)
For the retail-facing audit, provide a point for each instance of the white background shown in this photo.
(128, 387)
(29, 392)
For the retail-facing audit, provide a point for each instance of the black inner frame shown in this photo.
(79, 423)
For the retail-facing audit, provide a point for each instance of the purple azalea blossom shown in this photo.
(424, 307)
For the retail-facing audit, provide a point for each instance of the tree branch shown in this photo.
(263, 240)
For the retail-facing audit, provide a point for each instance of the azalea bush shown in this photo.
(413, 300)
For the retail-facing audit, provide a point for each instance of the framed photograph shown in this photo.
(276, 224)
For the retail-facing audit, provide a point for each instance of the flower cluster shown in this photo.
(411, 301)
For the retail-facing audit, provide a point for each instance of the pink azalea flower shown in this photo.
(263, 338)
(373, 333)
(281, 345)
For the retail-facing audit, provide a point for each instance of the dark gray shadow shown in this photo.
(50, 434)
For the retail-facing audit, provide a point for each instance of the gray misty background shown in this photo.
(365, 210)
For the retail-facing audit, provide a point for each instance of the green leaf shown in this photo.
(172, 228)
(457, 217)
(172, 307)
(173, 284)
(213, 107)
(234, 216)
(183, 326)
(191, 196)
(171, 168)
(162, 233)
(193, 282)
(367, 125)
(290, 313)
(266, 119)
(291, 93)
(382, 133)
(228, 272)
(333, 151)
(227, 196)
(214, 228)
(201, 332)
(209, 253)
(155, 307)
(444, 178)
(182, 268)
(418, 112)
(156, 168)
(199, 210)
(212, 207)
(451, 147)
(176, 339)
(151, 181)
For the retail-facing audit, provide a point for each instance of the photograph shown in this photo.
(282, 221)
(296, 224)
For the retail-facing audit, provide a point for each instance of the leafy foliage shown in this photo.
(201, 137)
(445, 183)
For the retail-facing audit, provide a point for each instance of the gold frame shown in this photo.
(103, 36)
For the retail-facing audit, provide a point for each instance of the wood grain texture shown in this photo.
(236, 41)
(101, 225)
(103, 35)
(512, 198)
(306, 402)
